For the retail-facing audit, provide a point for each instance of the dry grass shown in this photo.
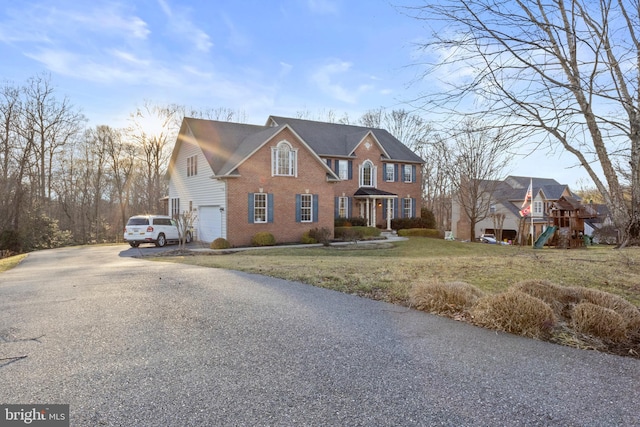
(598, 321)
(601, 276)
(627, 311)
(453, 299)
(561, 299)
(515, 312)
(10, 262)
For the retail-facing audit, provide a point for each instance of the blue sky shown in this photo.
(255, 56)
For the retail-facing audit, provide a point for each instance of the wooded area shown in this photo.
(63, 182)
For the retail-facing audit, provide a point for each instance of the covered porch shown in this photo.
(369, 203)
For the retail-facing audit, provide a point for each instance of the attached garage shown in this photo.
(209, 223)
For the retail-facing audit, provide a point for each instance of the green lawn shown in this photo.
(386, 271)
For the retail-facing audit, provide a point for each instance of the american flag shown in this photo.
(525, 209)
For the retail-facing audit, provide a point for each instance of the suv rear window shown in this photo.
(162, 221)
(138, 221)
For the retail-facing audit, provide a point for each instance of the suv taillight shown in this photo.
(149, 229)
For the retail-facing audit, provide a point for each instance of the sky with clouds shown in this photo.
(258, 57)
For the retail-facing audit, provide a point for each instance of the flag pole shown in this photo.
(531, 210)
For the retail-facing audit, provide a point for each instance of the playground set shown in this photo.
(565, 228)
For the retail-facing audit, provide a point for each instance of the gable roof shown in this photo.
(512, 191)
(226, 145)
(335, 139)
(222, 143)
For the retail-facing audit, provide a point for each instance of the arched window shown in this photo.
(284, 160)
(367, 174)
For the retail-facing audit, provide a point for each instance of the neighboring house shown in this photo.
(507, 199)
(288, 177)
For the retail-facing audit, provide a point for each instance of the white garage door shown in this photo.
(209, 223)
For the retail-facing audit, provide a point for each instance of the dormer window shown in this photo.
(284, 160)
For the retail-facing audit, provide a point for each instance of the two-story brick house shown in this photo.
(288, 177)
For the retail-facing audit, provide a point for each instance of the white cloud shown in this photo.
(54, 24)
(325, 78)
(180, 24)
(323, 7)
(237, 40)
(285, 69)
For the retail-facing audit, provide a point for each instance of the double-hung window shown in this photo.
(259, 207)
(407, 207)
(343, 169)
(407, 173)
(343, 207)
(389, 172)
(306, 207)
(284, 160)
(192, 165)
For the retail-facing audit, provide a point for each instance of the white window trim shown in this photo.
(343, 207)
(343, 172)
(256, 208)
(538, 207)
(406, 168)
(292, 161)
(391, 167)
(306, 209)
(372, 177)
(404, 207)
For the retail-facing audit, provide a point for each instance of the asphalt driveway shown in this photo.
(129, 342)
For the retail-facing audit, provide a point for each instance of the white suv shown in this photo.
(158, 229)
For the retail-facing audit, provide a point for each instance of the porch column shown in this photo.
(368, 213)
(374, 214)
(389, 201)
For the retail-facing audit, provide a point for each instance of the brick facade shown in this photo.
(240, 171)
(255, 177)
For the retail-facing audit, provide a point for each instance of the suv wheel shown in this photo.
(161, 240)
(188, 237)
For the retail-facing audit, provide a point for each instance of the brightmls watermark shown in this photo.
(34, 415)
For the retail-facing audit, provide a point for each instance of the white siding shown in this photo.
(199, 189)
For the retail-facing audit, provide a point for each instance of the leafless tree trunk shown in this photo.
(476, 163)
(121, 161)
(185, 226)
(498, 223)
(561, 72)
(153, 129)
(54, 123)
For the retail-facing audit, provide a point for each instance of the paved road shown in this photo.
(129, 342)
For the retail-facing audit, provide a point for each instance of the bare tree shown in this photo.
(498, 224)
(121, 162)
(476, 163)
(437, 182)
(153, 128)
(219, 113)
(564, 72)
(53, 123)
(185, 222)
(10, 110)
(418, 135)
